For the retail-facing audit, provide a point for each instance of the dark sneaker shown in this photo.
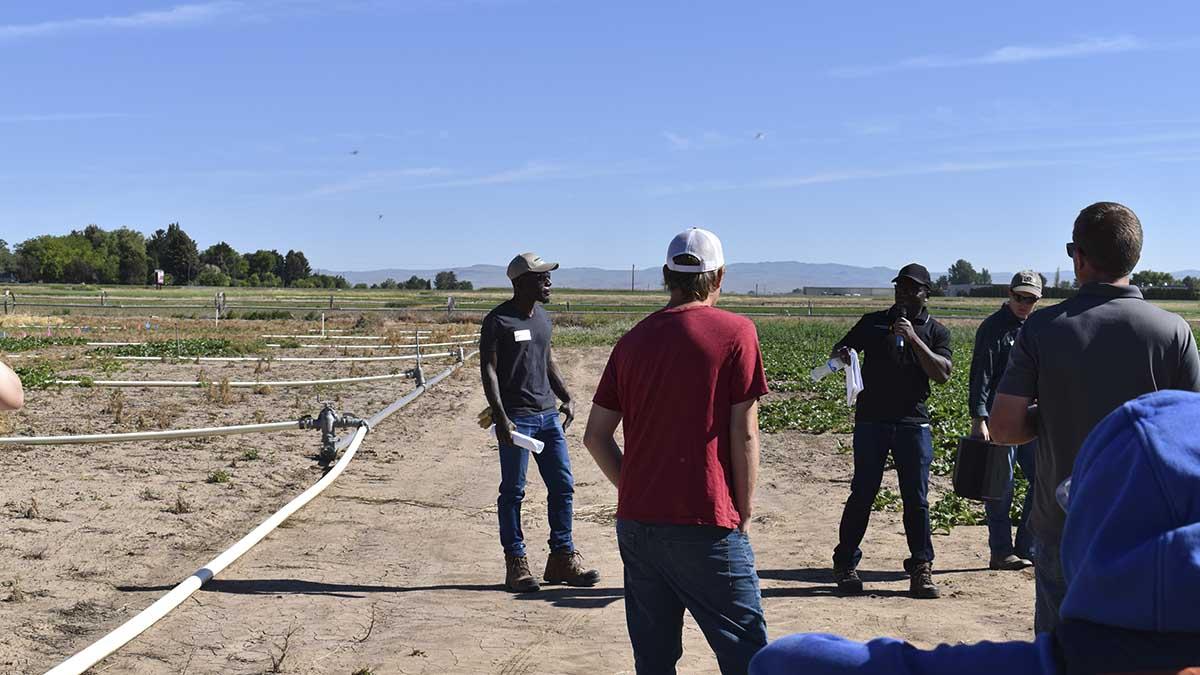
(1009, 563)
(518, 578)
(921, 581)
(848, 581)
(566, 567)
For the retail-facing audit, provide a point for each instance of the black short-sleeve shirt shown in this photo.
(522, 346)
(895, 387)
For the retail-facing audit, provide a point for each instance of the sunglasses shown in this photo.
(1071, 249)
(1023, 299)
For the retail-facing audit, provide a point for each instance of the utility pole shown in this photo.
(632, 278)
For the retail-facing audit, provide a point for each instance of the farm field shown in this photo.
(397, 567)
(308, 304)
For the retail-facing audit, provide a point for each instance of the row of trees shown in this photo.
(443, 281)
(963, 272)
(125, 256)
(1152, 279)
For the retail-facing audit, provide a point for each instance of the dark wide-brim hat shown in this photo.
(916, 272)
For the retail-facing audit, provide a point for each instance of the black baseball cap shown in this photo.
(917, 273)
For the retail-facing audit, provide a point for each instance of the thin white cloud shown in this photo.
(677, 141)
(174, 16)
(62, 117)
(1088, 143)
(701, 141)
(840, 176)
(1012, 54)
(401, 179)
(529, 172)
(919, 170)
(376, 179)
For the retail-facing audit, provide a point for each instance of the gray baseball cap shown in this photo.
(1027, 281)
(529, 262)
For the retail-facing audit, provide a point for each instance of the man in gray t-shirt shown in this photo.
(521, 380)
(1077, 361)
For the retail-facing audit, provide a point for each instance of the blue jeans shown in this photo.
(1049, 585)
(555, 466)
(911, 446)
(707, 570)
(999, 522)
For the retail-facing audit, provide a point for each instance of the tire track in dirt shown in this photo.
(522, 661)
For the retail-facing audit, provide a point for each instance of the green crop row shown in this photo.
(31, 342)
(188, 347)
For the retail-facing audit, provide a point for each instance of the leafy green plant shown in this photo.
(951, 510)
(887, 499)
(31, 342)
(265, 315)
(220, 476)
(187, 347)
(36, 375)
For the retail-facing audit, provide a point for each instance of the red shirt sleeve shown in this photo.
(748, 379)
(608, 391)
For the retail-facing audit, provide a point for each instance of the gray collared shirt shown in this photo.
(1083, 358)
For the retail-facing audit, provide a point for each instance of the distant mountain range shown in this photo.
(762, 277)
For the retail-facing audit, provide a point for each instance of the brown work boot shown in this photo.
(518, 578)
(921, 584)
(566, 567)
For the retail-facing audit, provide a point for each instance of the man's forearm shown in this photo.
(1014, 420)
(937, 367)
(744, 455)
(745, 476)
(607, 455)
(491, 391)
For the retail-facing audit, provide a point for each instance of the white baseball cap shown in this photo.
(702, 245)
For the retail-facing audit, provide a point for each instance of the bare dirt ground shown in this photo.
(397, 567)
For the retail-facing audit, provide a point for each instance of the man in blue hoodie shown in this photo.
(1130, 553)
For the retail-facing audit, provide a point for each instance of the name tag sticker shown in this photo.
(522, 335)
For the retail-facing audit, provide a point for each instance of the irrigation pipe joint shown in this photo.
(328, 422)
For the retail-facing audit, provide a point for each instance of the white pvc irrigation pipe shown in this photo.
(285, 359)
(383, 346)
(335, 337)
(147, 617)
(150, 435)
(236, 385)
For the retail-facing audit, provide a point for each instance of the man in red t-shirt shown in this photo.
(684, 384)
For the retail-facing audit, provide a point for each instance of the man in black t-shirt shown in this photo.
(905, 348)
(520, 381)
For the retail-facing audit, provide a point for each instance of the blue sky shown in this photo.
(860, 133)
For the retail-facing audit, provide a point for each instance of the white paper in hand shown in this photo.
(521, 440)
(854, 383)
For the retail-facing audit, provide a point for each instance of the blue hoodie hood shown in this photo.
(1131, 546)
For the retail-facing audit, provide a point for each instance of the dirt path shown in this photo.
(398, 568)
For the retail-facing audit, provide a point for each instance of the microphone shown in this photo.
(902, 314)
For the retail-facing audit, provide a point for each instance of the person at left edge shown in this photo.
(520, 381)
(905, 349)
